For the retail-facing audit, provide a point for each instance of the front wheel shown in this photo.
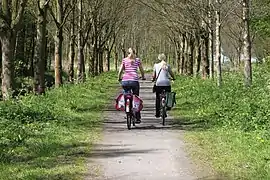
(129, 121)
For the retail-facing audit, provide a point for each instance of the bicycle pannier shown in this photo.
(170, 99)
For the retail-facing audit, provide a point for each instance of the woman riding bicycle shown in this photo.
(161, 77)
(130, 79)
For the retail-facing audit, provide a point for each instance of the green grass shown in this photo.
(51, 136)
(227, 127)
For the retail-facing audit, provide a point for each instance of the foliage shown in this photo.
(230, 124)
(46, 137)
(229, 106)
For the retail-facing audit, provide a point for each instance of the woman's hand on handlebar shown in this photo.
(142, 78)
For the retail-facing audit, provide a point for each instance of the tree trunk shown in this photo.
(58, 45)
(183, 47)
(190, 56)
(40, 50)
(211, 40)
(7, 65)
(71, 58)
(247, 45)
(108, 55)
(33, 45)
(100, 61)
(58, 57)
(115, 57)
(218, 45)
(199, 57)
(186, 55)
(81, 65)
(10, 20)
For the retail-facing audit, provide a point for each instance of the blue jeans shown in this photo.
(135, 87)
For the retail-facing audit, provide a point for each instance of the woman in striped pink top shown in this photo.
(130, 79)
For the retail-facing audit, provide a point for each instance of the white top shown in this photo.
(163, 78)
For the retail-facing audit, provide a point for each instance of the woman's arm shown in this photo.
(120, 71)
(154, 73)
(171, 73)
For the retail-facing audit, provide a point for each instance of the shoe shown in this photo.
(138, 121)
(157, 116)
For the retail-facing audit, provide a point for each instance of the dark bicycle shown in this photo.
(164, 103)
(163, 106)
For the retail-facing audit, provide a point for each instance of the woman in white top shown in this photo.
(161, 76)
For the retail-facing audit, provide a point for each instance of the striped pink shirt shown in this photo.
(131, 69)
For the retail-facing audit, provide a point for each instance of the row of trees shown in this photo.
(79, 38)
(35, 34)
(195, 30)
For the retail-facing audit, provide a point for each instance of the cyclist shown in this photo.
(161, 77)
(130, 79)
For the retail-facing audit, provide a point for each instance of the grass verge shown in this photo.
(50, 136)
(227, 127)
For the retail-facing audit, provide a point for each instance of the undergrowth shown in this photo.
(229, 126)
(50, 136)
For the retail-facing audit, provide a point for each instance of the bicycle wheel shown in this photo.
(163, 115)
(133, 120)
(129, 121)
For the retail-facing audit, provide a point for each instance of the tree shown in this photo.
(59, 11)
(247, 44)
(11, 15)
(40, 50)
(218, 44)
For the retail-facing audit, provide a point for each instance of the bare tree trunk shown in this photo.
(247, 44)
(100, 60)
(108, 54)
(186, 55)
(72, 47)
(210, 41)
(218, 44)
(71, 53)
(204, 64)
(199, 57)
(10, 20)
(190, 55)
(39, 58)
(59, 45)
(81, 65)
(183, 47)
(58, 57)
(115, 57)
(33, 45)
(7, 65)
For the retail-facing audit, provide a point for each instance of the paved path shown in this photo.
(150, 151)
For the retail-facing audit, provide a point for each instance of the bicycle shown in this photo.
(163, 105)
(130, 112)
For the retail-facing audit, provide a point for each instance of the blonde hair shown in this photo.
(132, 54)
(162, 58)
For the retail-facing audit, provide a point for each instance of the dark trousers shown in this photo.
(159, 90)
(135, 87)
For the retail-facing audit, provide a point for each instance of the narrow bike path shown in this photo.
(149, 151)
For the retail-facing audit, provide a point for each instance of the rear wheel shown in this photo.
(163, 115)
(129, 121)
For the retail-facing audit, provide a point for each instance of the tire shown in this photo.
(163, 115)
(129, 121)
(133, 121)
